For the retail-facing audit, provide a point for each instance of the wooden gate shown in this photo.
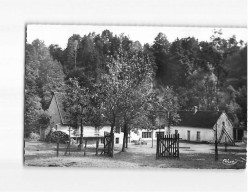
(168, 146)
(108, 142)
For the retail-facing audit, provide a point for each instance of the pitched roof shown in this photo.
(204, 119)
(65, 116)
(59, 101)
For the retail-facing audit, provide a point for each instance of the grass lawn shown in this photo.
(200, 156)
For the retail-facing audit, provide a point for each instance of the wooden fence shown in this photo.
(168, 146)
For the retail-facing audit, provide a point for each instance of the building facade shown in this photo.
(202, 126)
(60, 122)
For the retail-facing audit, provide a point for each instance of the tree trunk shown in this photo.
(81, 136)
(217, 89)
(112, 138)
(40, 133)
(112, 129)
(216, 144)
(168, 122)
(152, 138)
(124, 137)
(123, 144)
(127, 139)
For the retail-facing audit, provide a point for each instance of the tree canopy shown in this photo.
(113, 78)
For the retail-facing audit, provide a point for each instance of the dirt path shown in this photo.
(136, 156)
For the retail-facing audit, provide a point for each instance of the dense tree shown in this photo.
(125, 89)
(50, 74)
(43, 76)
(57, 53)
(31, 99)
(161, 48)
(120, 75)
(71, 53)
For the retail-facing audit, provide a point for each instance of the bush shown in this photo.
(34, 136)
(53, 137)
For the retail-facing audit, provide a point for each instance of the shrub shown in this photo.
(34, 136)
(53, 137)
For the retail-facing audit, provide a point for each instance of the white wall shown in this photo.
(65, 129)
(134, 136)
(228, 127)
(205, 133)
(90, 131)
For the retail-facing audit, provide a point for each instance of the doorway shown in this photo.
(188, 135)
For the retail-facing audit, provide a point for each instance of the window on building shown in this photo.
(188, 135)
(198, 136)
(146, 134)
(118, 130)
(117, 140)
(102, 140)
(160, 134)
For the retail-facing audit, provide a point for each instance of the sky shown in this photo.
(59, 34)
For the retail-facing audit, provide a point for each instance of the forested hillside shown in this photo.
(185, 73)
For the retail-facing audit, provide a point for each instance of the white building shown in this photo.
(195, 126)
(144, 134)
(61, 122)
(200, 126)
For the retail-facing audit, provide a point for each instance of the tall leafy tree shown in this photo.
(31, 99)
(57, 53)
(50, 76)
(43, 75)
(161, 48)
(71, 53)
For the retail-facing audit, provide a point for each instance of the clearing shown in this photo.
(192, 155)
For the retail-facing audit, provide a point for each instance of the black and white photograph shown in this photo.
(123, 96)
(135, 97)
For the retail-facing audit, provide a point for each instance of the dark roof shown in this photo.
(65, 116)
(204, 119)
